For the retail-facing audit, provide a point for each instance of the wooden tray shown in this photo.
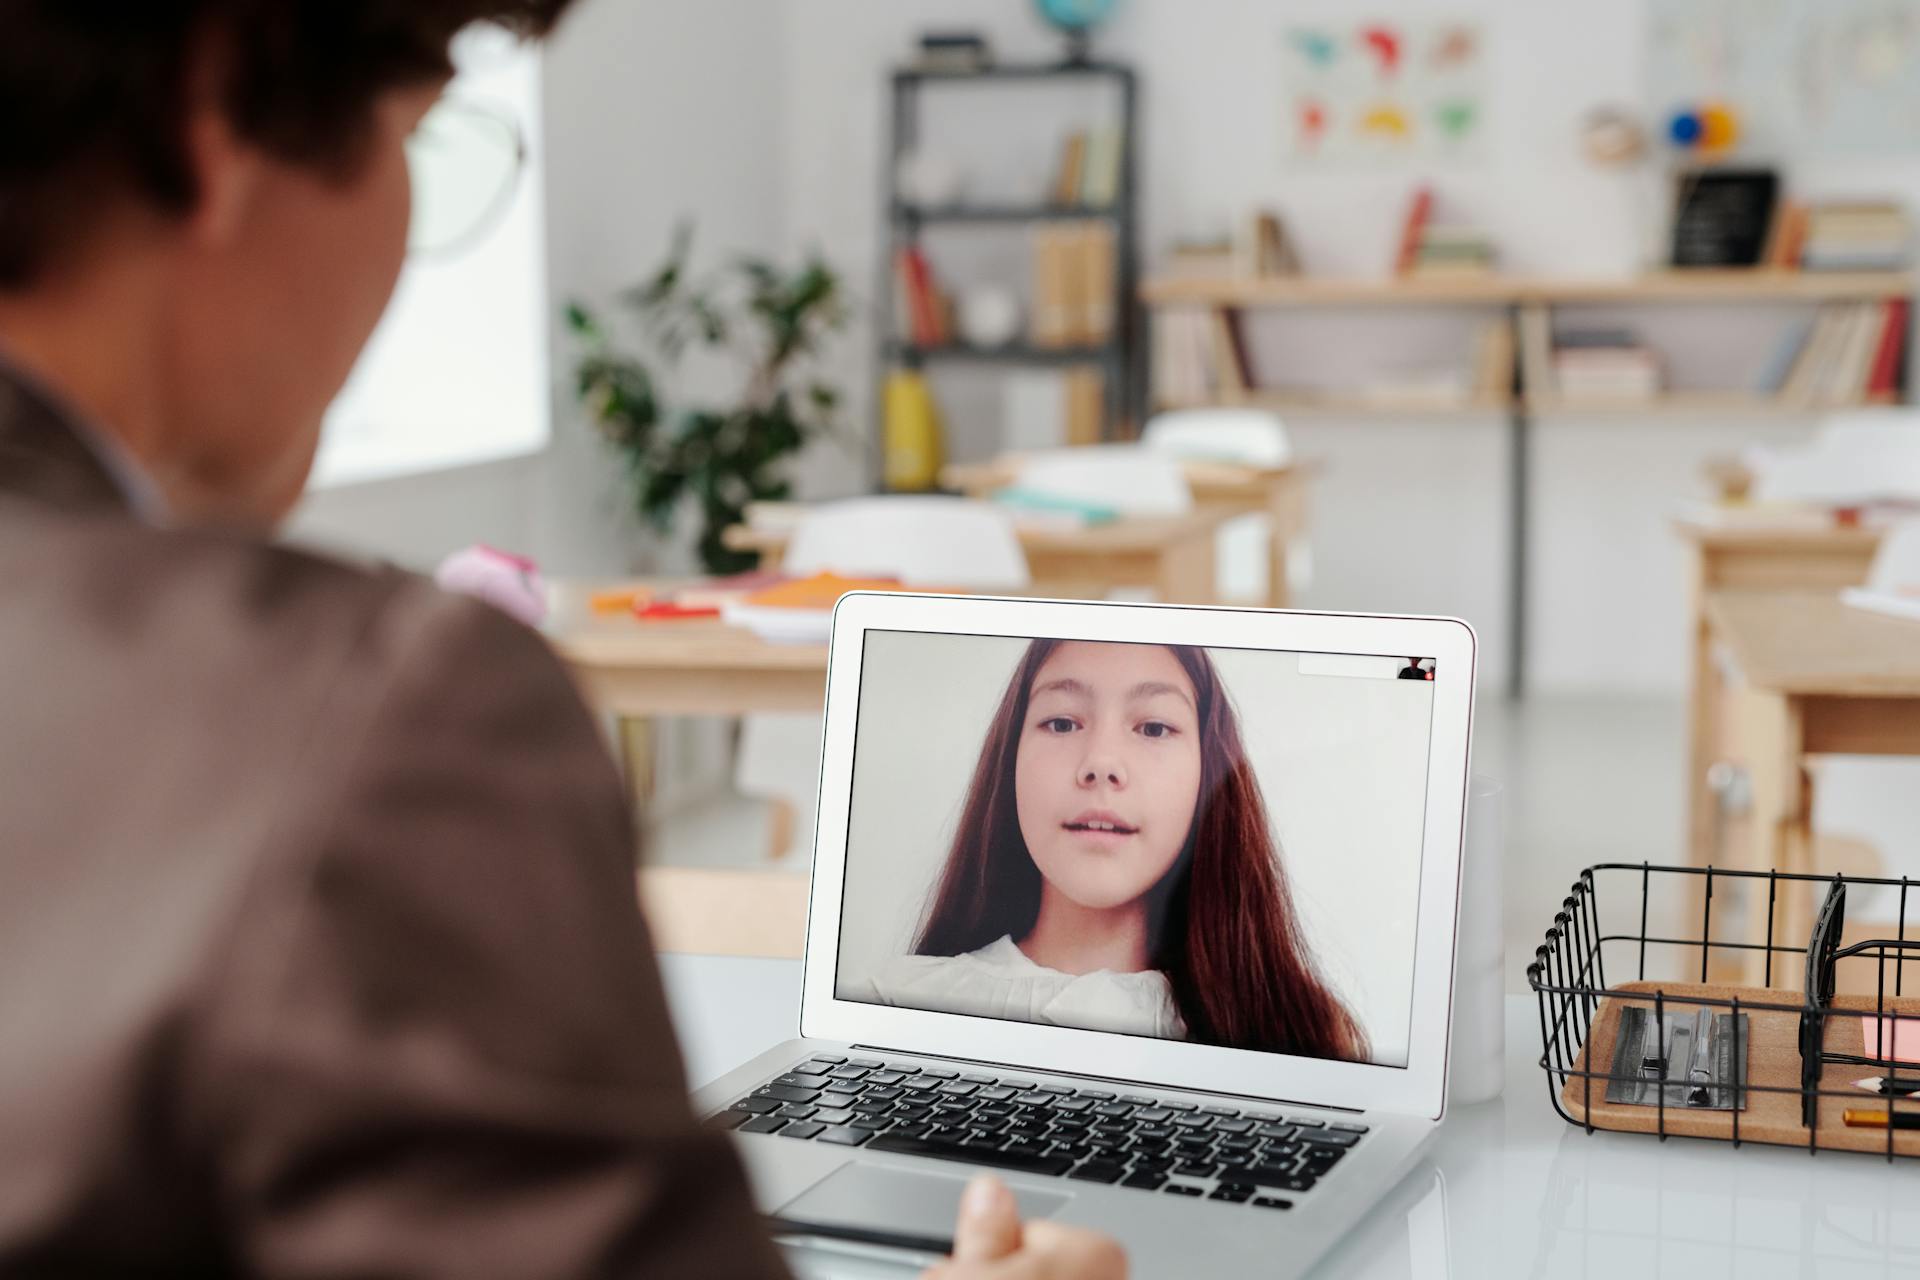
(1773, 1062)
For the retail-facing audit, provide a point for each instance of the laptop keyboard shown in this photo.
(1092, 1135)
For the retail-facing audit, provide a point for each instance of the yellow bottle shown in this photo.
(912, 433)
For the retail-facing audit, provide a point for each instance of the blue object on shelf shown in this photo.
(1077, 18)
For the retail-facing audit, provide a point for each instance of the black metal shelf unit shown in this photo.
(906, 221)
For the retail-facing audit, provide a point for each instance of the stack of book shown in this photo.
(1200, 356)
(1604, 364)
(1088, 175)
(1453, 251)
(1857, 236)
(954, 51)
(1429, 250)
(1075, 277)
(1850, 353)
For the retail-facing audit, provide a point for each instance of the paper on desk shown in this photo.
(1894, 605)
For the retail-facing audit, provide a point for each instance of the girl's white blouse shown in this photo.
(999, 981)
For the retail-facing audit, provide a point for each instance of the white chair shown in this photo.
(1250, 437)
(1853, 459)
(923, 540)
(948, 542)
(1896, 565)
(1123, 477)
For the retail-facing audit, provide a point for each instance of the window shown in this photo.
(458, 371)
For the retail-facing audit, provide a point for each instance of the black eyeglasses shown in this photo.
(465, 157)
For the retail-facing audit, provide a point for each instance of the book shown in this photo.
(1071, 247)
(1773, 378)
(1883, 383)
(1804, 382)
(1053, 321)
(1847, 380)
(1419, 211)
(1047, 510)
(1229, 354)
(1493, 361)
(1787, 237)
(923, 308)
(1100, 180)
(1273, 253)
(1098, 281)
(1086, 406)
(1536, 350)
(954, 51)
(1073, 162)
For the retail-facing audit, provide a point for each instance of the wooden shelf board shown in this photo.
(1691, 403)
(1496, 290)
(1351, 406)
(931, 214)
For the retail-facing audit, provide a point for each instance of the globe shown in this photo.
(1077, 18)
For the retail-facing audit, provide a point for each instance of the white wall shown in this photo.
(1607, 579)
(765, 119)
(1341, 763)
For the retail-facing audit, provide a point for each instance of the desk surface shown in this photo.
(1126, 535)
(1208, 480)
(1783, 535)
(1808, 642)
(1509, 1190)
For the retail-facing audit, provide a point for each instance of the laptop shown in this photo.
(1149, 910)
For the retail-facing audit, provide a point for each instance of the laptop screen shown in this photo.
(1213, 845)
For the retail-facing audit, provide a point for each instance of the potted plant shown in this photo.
(720, 457)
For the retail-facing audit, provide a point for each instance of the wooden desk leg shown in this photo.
(1286, 514)
(1703, 720)
(1187, 572)
(636, 741)
(1771, 734)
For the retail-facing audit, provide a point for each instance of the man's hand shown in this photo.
(991, 1243)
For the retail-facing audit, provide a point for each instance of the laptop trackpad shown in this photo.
(915, 1209)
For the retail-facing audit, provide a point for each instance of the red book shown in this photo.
(923, 306)
(1883, 383)
(1417, 215)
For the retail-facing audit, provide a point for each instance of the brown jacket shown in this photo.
(319, 954)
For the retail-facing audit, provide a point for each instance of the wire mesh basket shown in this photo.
(1697, 1002)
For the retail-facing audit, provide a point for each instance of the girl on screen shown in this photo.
(1113, 867)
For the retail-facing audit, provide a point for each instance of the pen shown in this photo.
(933, 1246)
(1858, 1118)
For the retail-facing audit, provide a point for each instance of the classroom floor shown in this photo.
(1586, 780)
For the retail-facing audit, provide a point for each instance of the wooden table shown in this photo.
(1815, 677)
(700, 667)
(1172, 555)
(633, 672)
(1754, 557)
(1279, 493)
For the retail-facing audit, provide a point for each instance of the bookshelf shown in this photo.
(1515, 301)
(1121, 374)
(1702, 286)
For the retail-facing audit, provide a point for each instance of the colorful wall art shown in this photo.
(1383, 90)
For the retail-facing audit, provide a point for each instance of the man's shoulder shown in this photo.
(222, 628)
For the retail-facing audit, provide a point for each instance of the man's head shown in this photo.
(221, 184)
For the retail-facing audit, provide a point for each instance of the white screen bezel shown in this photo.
(1418, 1088)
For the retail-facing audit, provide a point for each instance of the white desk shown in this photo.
(1509, 1190)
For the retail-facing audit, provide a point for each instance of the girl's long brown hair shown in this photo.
(1221, 921)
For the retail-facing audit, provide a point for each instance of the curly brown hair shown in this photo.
(94, 94)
